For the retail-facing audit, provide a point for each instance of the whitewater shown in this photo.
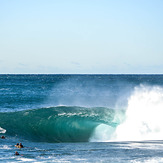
(81, 118)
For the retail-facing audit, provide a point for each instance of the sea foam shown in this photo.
(2, 130)
(143, 115)
(142, 121)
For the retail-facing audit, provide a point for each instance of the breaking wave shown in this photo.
(57, 124)
(142, 120)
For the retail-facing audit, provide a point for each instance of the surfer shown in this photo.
(2, 137)
(17, 145)
(16, 153)
(20, 145)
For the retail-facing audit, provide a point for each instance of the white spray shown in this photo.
(144, 116)
(2, 130)
(143, 121)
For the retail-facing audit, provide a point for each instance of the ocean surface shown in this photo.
(81, 118)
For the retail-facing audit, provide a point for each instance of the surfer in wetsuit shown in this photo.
(20, 145)
(17, 145)
(16, 153)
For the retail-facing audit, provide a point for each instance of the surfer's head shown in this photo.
(2, 137)
(16, 153)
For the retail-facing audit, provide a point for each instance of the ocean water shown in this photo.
(81, 118)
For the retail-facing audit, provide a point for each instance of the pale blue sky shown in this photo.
(81, 36)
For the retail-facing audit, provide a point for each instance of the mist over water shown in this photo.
(86, 92)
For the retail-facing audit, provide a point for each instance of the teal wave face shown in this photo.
(57, 124)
